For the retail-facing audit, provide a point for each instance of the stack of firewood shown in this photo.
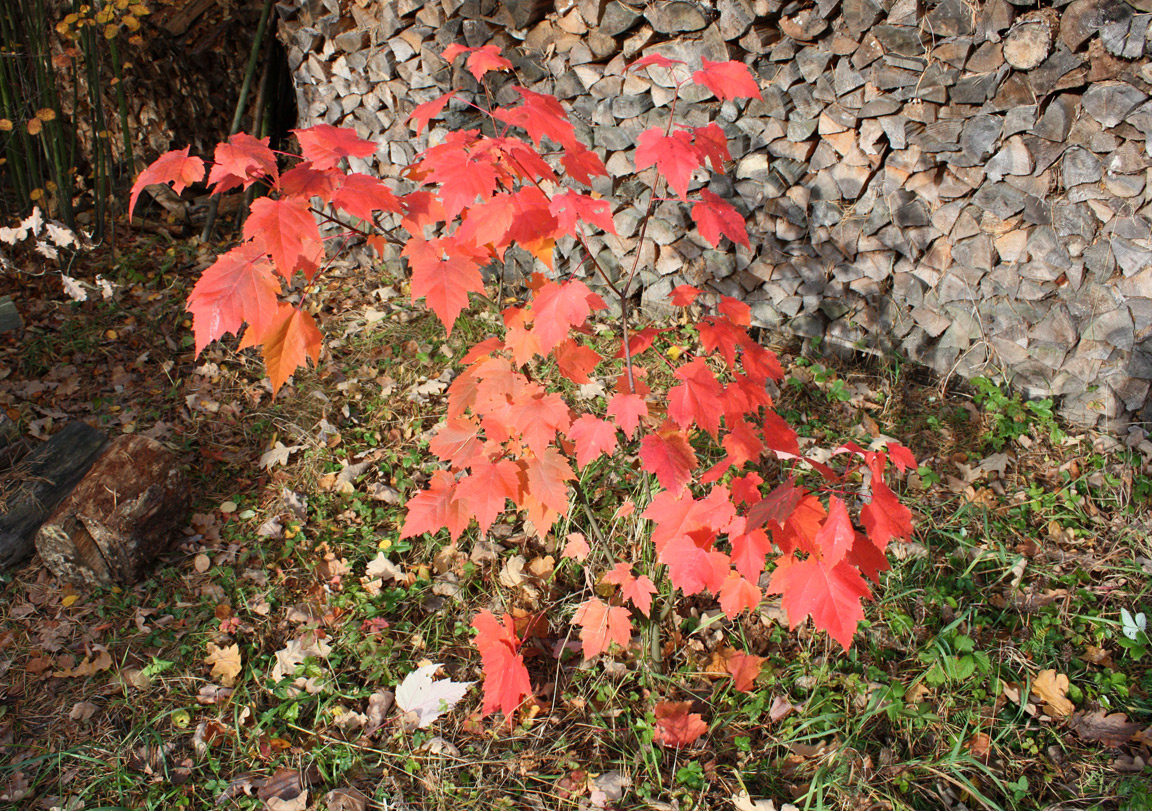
(962, 182)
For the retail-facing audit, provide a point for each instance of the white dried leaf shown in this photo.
(73, 288)
(427, 699)
(278, 455)
(62, 237)
(383, 568)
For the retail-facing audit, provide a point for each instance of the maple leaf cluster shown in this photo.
(508, 439)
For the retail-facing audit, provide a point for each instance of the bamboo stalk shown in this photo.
(241, 104)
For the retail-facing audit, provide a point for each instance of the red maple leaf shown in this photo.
(286, 228)
(867, 558)
(538, 418)
(659, 60)
(676, 725)
(691, 567)
(601, 625)
(684, 295)
(830, 595)
(239, 287)
(463, 176)
(697, 398)
(746, 489)
(557, 308)
(715, 216)
(885, 517)
(424, 113)
(713, 145)
(437, 507)
(777, 506)
(901, 457)
(674, 156)
(736, 310)
(289, 341)
(506, 681)
(457, 442)
(541, 116)
(303, 180)
(241, 161)
(575, 360)
(728, 80)
(638, 590)
(325, 146)
(594, 437)
(738, 594)
(480, 60)
(668, 455)
(744, 669)
(442, 279)
(639, 341)
(486, 488)
(627, 410)
(547, 474)
(801, 526)
(360, 195)
(173, 167)
(836, 535)
(572, 206)
(582, 164)
(749, 551)
(779, 436)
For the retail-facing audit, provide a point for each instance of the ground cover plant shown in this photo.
(1002, 666)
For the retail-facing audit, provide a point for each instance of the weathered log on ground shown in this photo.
(126, 510)
(32, 487)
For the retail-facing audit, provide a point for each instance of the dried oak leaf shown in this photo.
(1052, 689)
(1113, 730)
(225, 663)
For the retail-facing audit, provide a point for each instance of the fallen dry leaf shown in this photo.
(1052, 689)
(346, 799)
(225, 663)
(1113, 730)
(676, 725)
(88, 667)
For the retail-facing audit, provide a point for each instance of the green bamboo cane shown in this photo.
(242, 102)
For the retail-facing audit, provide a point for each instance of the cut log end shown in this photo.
(127, 510)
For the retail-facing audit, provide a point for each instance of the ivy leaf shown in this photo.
(239, 287)
(728, 80)
(674, 156)
(601, 625)
(290, 341)
(715, 216)
(173, 167)
(325, 145)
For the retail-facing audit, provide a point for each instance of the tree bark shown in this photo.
(127, 510)
(32, 487)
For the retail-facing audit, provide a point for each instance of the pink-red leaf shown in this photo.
(436, 508)
(424, 113)
(627, 410)
(676, 725)
(669, 457)
(601, 625)
(659, 60)
(728, 80)
(715, 216)
(674, 156)
(486, 488)
(697, 398)
(286, 228)
(325, 146)
(442, 280)
(830, 595)
(361, 195)
(173, 167)
(289, 341)
(239, 287)
(572, 206)
(594, 438)
(684, 295)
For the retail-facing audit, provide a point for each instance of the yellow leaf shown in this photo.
(34, 126)
(1052, 689)
(111, 30)
(141, 10)
(70, 600)
(5, 125)
(131, 23)
(674, 352)
(225, 663)
(36, 194)
(46, 114)
(105, 14)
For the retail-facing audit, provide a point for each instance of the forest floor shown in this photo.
(256, 666)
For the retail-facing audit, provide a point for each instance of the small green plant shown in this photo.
(1011, 416)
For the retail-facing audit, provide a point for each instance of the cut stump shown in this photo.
(125, 512)
(32, 484)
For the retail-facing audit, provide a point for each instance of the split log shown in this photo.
(32, 488)
(126, 511)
